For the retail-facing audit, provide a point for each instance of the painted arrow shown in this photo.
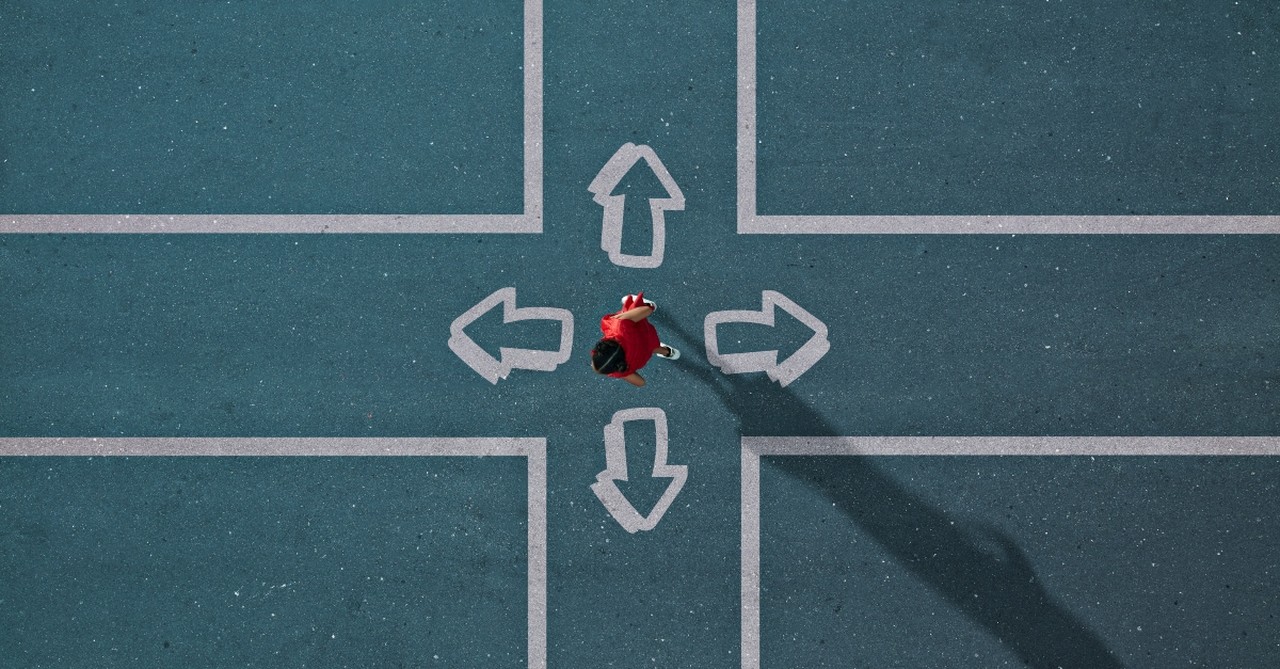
(767, 361)
(614, 205)
(615, 452)
(508, 359)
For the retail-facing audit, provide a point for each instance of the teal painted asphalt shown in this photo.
(871, 561)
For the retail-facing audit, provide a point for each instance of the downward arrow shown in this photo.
(767, 361)
(615, 452)
(615, 205)
(508, 359)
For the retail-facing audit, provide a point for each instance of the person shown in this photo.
(630, 340)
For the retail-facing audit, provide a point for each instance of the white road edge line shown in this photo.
(530, 221)
(750, 222)
(534, 450)
(755, 447)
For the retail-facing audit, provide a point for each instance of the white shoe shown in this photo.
(675, 354)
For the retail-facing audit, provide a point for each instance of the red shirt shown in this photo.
(638, 339)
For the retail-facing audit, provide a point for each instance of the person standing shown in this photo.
(629, 341)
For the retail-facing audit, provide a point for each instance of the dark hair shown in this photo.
(608, 357)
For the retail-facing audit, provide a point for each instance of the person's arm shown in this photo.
(636, 314)
(634, 379)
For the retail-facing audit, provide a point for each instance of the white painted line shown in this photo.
(767, 361)
(1012, 445)
(534, 450)
(755, 447)
(615, 450)
(750, 222)
(1009, 225)
(746, 115)
(269, 224)
(493, 369)
(750, 547)
(537, 552)
(615, 205)
(530, 221)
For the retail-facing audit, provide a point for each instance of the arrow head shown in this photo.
(620, 164)
(610, 494)
(809, 354)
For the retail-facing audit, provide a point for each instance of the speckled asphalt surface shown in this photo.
(952, 561)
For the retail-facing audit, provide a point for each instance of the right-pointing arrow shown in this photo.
(508, 359)
(767, 361)
(615, 453)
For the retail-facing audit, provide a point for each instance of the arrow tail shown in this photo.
(737, 363)
(538, 360)
(745, 363)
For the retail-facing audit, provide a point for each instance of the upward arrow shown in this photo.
(615, 205)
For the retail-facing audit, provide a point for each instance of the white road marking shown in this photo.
(615, 449)
(614, 205)
(534, 450)
(750, 222)
(266, 224)
(493, 369)
(1097, 446)
(1008, 225)
(767, 361)
(529, 221)
(755, 447)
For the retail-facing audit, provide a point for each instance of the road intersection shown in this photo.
(947, 396)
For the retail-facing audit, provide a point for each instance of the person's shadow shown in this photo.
(977, 567)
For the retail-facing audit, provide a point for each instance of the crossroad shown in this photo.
(481, 376)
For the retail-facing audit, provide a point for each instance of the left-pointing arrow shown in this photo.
(508, 359)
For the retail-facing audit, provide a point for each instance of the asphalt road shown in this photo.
(959, 558)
